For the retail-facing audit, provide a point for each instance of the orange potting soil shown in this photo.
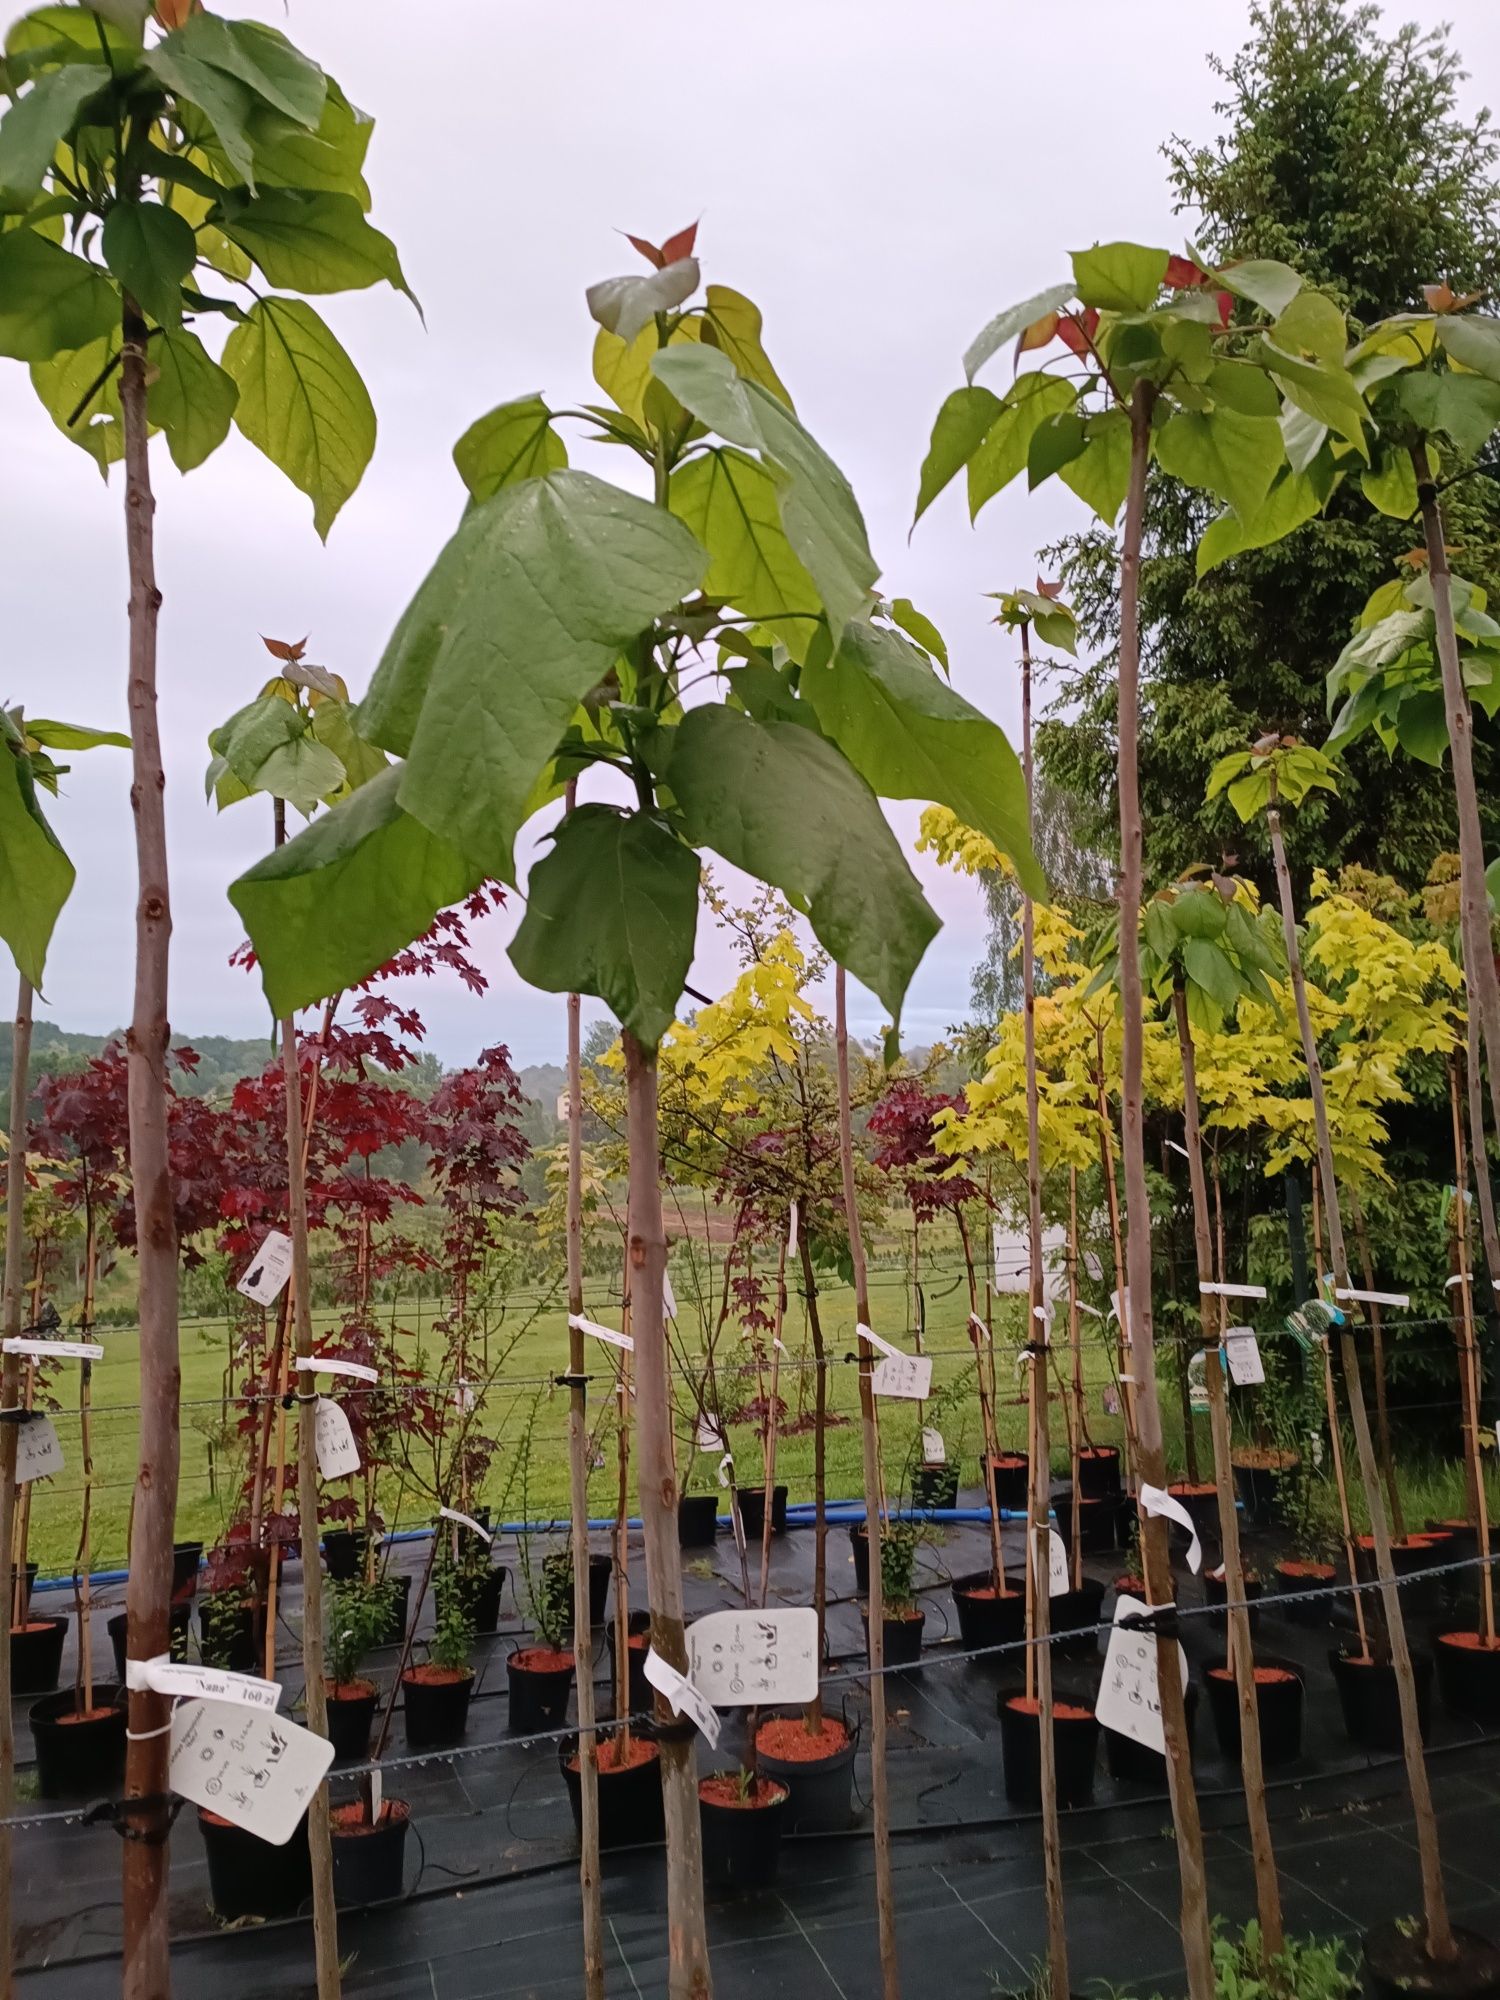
(785, 1737)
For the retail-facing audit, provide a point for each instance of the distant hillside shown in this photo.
(222, 1060)
(543, 1081)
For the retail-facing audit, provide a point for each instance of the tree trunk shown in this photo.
(1242, 1659)
(768, 1442)
(688, 1976)
(1039, 1532)
(1479, 957)
(890, 1969)
(148, 1594)
(814, 1709)
(1468, 1367)
(1151, 1455)
(1377, 1363)
(319, 1840)
(10, 1390)
(1439, 1936)
(578, 1499)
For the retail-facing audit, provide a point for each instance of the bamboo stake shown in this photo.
(813, 1713)
(1439, 1935)
(1075, 1405)
(1468, 1357)
(1238, 1648)
(1377, 1359)
(689, 1975)
(1489, 1235)
(589, 1882)
(82, 1580)
(890, 1971)
(620, 1539)
(315, 1691)
(10, 1385)
(768, 1449)
(984, 1382)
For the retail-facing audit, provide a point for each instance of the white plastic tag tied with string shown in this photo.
(333, 1439)
(466, 1521)
(682, 1697)
(164, 1675)
(605, 1333)
(1157, 1501)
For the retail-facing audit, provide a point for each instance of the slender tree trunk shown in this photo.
(82, 1578)
(10, 1390)
(1439, 1935)
(1468, 1368)
(1151, 1455)
(578, 1499)
(148, 1594)
(319, 1840)
(1479, 957)
(1489, 1235)
(689, 1977)
(1038, 1338)
(768, 1447)
(890, 1970)
(982, 1337)
(1075, 1403)
(1241, 1657)
(1377, 1364)
(814, 1710)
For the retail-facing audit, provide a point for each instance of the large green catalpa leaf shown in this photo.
(512, 442)
(309, 240)
(730, 501)
(612, 910)
(31, 129)
(818, 508)
(50, 300)
(351, 890)
(523, 612)
(910, 736)
(788, 808)
(35, 875)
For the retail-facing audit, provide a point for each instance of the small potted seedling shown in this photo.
(358, 1615)
(743, 1814)
(903, 1617)
(438, 1689)
(541, 1675)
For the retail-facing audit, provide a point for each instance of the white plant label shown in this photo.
(269, 1270)
(164, 1675)
(1226, 1291)
(377, 1794)
(1374, 1298)
(668, 1296)
(739, 1659)
(1156, 1500)
(333, 1364)
(55, 1350)
(257, 1771)
(880, 1345)
(1122, 1317)
(726, 1466)
(597, 1332)
(1058, 1579)
(682, 1696)
(934, 1451)
(1129, 1702)
(710, 1437)
(466, 1521)
(1242, 1351)
(38, 1453)
(791, 1232)
(338, 1454)
(906, 1375)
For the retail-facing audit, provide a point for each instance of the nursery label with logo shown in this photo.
(338, 1454)
(1129, 1701)
(267, 1275)
(38, 1453)
(741, 1658)
(258, 1771)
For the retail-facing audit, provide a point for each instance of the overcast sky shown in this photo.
(880, 176)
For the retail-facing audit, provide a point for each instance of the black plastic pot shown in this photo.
(436, 1711)
(29, 1587)
(1009, 1477)
(742, 1844)
(351, 1717)
(1468, 1676)
(343, 1552)
(369, 1862)
(186, 1557)
(697, 1520)
(83, 1759)
(36, 1651)
(1216, 1594)
(630, 1803)
(1265, 1491)
(1099, 1472)
(1296, 1600)
(902, 1637)
(181, 1618)
(601, 1569)
(399, 1615)
(1098, 1526)
(1134, 1763)
(860, 1542)
(934, 1486)
(248, 1877)
(238, 1633)
(753, 1511)
(1203, 1512)
(484, 1598)
(1074, 1614)
(1371, 1703)
(639, 1626)
(1075, 1739)
(986, 1620)
(818, 1792)
(1411, 1559)
(1396, 1965)
(1279, 1704)
(538, 1692)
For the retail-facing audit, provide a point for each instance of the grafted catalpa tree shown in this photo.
(714, 668)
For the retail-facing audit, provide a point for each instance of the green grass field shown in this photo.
(531, 1333)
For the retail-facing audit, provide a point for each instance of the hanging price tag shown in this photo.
(1129, 1702)
(934, 1451)
(269, 1270)
(597, 1332)
(338, 1454)
(38, 1453)
(164, 1675)
(905, 1375)
(739, 1659)
(257, 1771)
(1242, 1351)
(682, 1696)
